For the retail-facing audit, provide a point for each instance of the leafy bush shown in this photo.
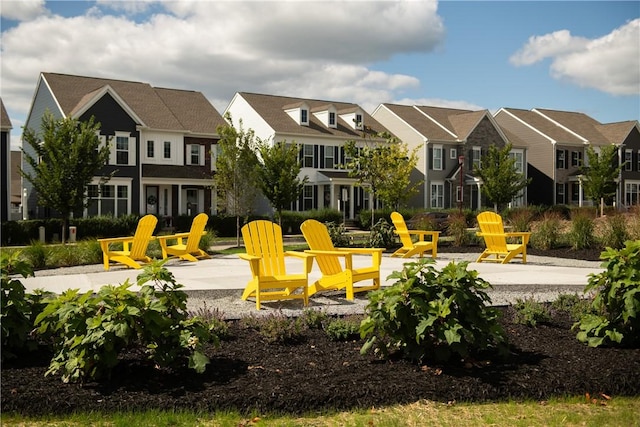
(278, 328)
(457, 227)
(617, 300)
(89, 330)
(430, 312)
(572, 304)
(338, 235)
(36, 254)
(530, 312)
(214, 319)
(314, 319)
(382, 235)
(520, 219)
(581, 235)
(344, 329)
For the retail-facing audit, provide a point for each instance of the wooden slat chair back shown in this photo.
(266, 255)
(189, 250)
(498, 249)
(410, 248)
(338, 275)
(134, 248)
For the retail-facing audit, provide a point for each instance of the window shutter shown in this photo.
(336, 157)
(444, 152)
(315, 156)
(566, 160)
(315, 197)
(321, 157)
(201, 156)
(430, 157)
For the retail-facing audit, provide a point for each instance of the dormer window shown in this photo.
(304, 116)
(354, 117)
(327, 115)
(332, 119)
(299, 112)
(359, 121)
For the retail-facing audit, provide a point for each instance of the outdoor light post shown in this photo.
(461, 196)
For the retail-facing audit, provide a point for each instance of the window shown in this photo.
(632, 193)
(307, 198)
(359, 123)
(459, 195)
(561, 161)
(307, 160)
(518, 157)
(437, 157)
(453, 153)
(332, 118)
(304, 116)
(576, 158)
(628, 160)
(575, 192)
(192, 201)
(167, 149)
(437, 195)
(108, 200)
(150, 149)
(329, 154)
(476, 156)
(122, 150)
(560, 196)
(195, 154)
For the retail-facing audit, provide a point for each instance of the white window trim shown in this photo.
(438, 148)
(518, 155)
(628, 160)
(200, 155)
(115, 182)
(439, 195)
(131, 156)
(476, 159)
(453, 153)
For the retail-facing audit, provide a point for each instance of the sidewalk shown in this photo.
(217, 283)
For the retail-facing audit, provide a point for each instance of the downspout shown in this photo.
(554, 156)
(619, 187)
(425, 143)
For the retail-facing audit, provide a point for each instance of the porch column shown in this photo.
(353, 203)
(479, 197)
(580, 192)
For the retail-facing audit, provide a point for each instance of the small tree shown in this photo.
(384, 168)
(600, 174)
(278, 174)
(236, 171)
(501, 180)
(68, 155)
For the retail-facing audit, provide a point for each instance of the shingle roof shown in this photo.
(272, 109)
(419, 122)
(161, 109)
(616, 133)
(545, 126)
(580, 123)
(5, 122)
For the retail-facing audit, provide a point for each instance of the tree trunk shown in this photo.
(237, 230)
(65, 223)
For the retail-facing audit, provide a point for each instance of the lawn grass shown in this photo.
(575, 411)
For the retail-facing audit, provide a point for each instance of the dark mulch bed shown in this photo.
(592, 254)
(318, 374)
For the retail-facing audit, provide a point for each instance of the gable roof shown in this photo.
(544, 126)
(579, 123)
(160, 109)
(617, 132)
(272, 109)
(5, 122)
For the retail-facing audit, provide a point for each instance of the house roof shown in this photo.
(272, 109)
(580, 123)
(545, 126)
(5, 122)
(616, 133)
(417, 120)
(157, 108)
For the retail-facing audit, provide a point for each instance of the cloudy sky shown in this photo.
(575, 56)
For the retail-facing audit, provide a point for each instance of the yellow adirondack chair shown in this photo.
(335, 276)
(266, 256)
(134, 248)
(409, 247)
(495, 239)
(190, 250)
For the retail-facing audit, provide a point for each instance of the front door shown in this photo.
(151, 199)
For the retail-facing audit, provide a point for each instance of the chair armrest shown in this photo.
(421, 233)
(173, 236)
(104, 243)
(306, 257)
(524, 235)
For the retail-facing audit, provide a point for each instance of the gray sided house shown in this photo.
(160, 141)
(321, 129)
(5, 180)
(558, 141)
(452, 142)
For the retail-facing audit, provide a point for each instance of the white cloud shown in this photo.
(610, 64)
(310, 49)
(22, 10)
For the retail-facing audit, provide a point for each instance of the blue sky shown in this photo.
(574, 56)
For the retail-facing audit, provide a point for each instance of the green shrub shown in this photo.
(572, 304)
(615, 231)
(278, 328)
(344, 329)
(314, 319)
(633, 224)
(36, 254)
(547, 234)
(581, 235)
(382, 235)
(89, 330)
(428, 312)
(520, 219)
(338, 235)
(617, 300)
(530, 312)
(214, 319)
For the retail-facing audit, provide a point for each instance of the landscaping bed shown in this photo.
(318, 374)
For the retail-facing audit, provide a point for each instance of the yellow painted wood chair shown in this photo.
(337, 275)
(188, 250)
(266, 255)
(409, 247)
(134, 248)
(495, 239)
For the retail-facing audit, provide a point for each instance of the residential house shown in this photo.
(5, 147)
(321, 129)
(451, 144)
(160, 142)
(557, 142)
